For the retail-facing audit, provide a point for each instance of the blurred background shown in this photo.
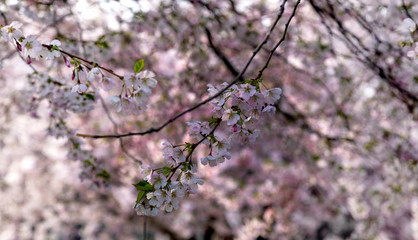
(338, 159)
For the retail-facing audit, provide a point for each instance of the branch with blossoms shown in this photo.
(135, 90)
(237, 79)
(136, 87)
(240, 104)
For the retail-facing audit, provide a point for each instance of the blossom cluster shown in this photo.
(91, 167)
(219, 146)
(59, 96)
(157, 191)
(32, 48)
(135, 93)
(240, 107)
(136, 87)
(79, 98)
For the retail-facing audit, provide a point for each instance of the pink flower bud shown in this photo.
(19, 47)
(235, 128)
(67, 63)
(34, 114)
(28, 60)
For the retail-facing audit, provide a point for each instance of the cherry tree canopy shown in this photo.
(199, 119)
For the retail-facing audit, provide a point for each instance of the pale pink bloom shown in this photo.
(177, 192)
(114, 100)
(221, 146)
(140, 95)
(205, 128)
(94, 72)
(409, 24)
(230, 116)
(128, 104)
(131, 80)
(208, 159)
(163, 195)
(158, 180)
(269, 109)
(178, 155)
(31, 47)
(153, 199)
(147, 80)
(190, 179)
(194, 127)
(257, 100)
(272, 95)
(79, 88)
(107, 83)
(12, 31)
(50, 54)
(170, 206)
(247, 90)
(220, 100)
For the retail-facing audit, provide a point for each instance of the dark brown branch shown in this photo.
(4, 18)
(236, 80)
(260, 73)
(405, 8)
(220, 54)
(362, 54)
(86, 61)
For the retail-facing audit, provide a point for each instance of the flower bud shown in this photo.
(19, 47)
(67, 63)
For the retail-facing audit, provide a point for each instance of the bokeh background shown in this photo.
(338, 159)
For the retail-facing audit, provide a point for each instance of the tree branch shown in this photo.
(85, 60)
(260, 73)
(236, 80)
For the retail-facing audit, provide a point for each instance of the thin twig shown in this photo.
(260, 73)
(86, 61)
(115, 129)
(236, 80)
(4, 18)
(405, 8)
(220, 54)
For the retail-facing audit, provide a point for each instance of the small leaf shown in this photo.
(144, 186)
(141, 195)
(139, 66)
(89, 96)
(104, 174)
(101, 38)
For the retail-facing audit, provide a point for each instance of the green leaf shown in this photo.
(104, 174)
(371, 144)
(165, 170)
(213, 121)
(54, 47)
(101, 38)
(103, 44)
(144, 185)
(89, 96)
(139, 66)
(140, 196)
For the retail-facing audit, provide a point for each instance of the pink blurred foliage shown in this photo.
(338, 159)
